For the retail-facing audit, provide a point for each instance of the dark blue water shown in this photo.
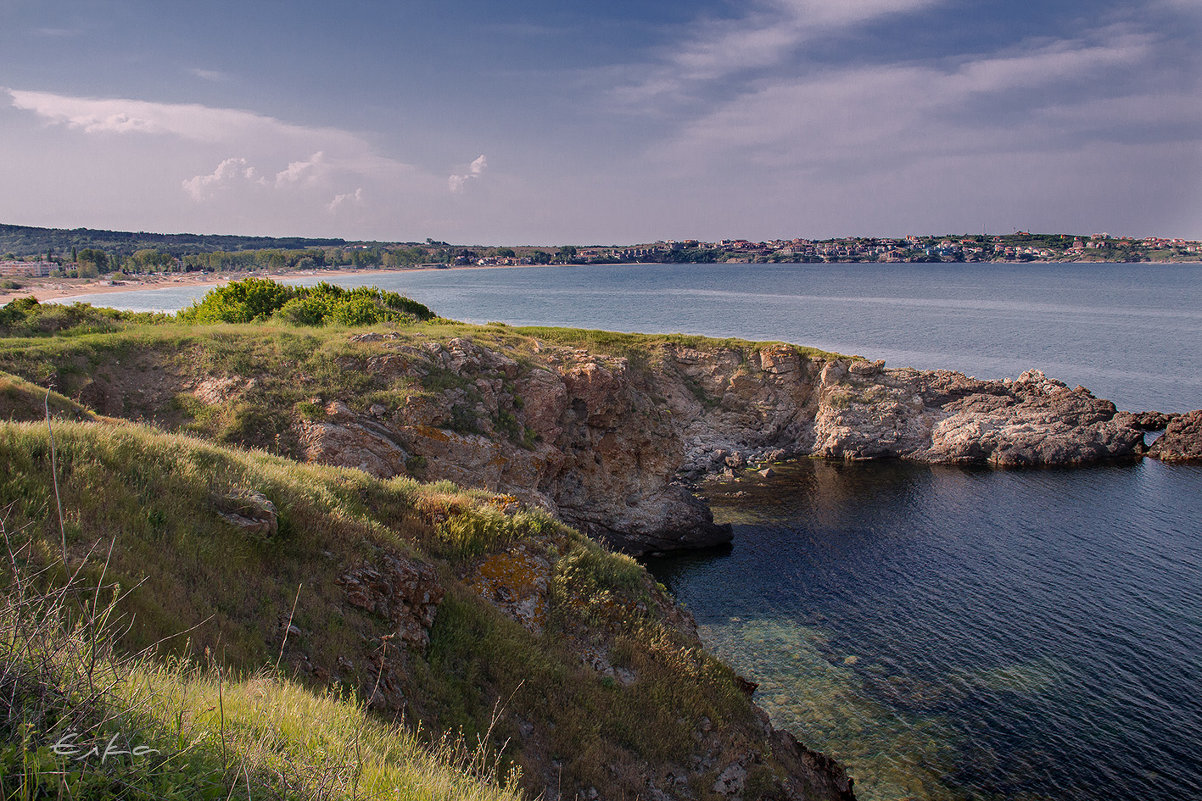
(970, 634)
(946, 633)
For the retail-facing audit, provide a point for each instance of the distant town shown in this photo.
(32, 253)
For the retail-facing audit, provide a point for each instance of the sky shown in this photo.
(561, 121)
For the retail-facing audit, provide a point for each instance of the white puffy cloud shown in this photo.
(475, 170)
(172, 166)
(308, 170)
(228, 172)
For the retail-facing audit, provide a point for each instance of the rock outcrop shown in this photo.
(1145, 421)
(1182, 440)
(610, 443)
(250, 511)
(404, 592)
(611, 446)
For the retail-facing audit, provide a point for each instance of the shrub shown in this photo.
(357, 310)
(249, 300)
(26, 317)
(257, 299)
(311, 310)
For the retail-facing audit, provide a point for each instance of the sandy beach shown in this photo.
(45, 289)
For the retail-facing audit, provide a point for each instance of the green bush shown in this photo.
(246, 301)
(311, 310)
(26, 317)
(257, 299)
(357, 310)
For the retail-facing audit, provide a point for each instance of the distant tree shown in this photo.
(567, 253)
(152, 259)
(504, 253)
(95, 260)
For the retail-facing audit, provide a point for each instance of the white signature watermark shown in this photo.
(80, 752)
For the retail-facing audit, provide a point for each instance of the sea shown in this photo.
(946, 633)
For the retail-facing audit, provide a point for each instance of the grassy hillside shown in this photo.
(357, 633)
(212, 594)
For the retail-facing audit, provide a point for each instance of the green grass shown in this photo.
(191, 730)
(210, 595)
(636, 346)
(203, 587)
(21, 400)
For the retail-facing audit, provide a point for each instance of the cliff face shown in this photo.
(607, 443)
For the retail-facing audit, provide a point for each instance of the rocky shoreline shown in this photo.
(614, 444)
(615, 439)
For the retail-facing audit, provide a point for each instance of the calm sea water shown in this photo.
(946, 633)
(1131, 333)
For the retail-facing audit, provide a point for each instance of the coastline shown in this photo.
(47, 289)
(55, 289)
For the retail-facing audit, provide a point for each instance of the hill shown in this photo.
(23, 240)
(312, 600)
